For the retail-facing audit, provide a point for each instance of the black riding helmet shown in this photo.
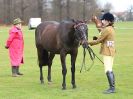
(108, 16)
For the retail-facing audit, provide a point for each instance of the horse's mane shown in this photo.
(72, 20)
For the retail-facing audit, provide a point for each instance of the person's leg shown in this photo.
(17, 68)
(108, 63)
(14, 71)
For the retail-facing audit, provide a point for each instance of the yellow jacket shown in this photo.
(107, 41)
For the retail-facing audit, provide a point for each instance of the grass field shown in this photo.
(90, 85)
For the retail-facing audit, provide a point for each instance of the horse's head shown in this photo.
(81, 32)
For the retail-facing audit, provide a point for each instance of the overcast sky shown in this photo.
(118, 5)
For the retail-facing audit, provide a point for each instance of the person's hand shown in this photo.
(94, 18)
(95, 38)
(91, 44)
(6, 47)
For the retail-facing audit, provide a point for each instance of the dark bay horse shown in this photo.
(61, 38)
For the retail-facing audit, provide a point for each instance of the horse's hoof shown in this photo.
(74, 86)
(64, 88)
(42, 82)
(49, 82)
(49, 79)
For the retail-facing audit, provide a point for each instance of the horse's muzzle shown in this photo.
(84, 44)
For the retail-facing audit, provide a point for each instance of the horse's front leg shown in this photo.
(64, 69)
(49, 66)
(41, 75)
(73, 60)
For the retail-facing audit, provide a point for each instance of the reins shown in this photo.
(92, 56)
(89, 49)
(83, 62)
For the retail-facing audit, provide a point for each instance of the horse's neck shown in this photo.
(68, 34)
(69, 40)
(73, 40)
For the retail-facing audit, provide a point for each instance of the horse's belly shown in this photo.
(55, 51)
(51, 48)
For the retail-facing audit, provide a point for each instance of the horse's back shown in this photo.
(47, 35)
(41, 27)
(53, 36)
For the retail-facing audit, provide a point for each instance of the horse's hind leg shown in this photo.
(43, 60)
(49, 66)
(41, 75)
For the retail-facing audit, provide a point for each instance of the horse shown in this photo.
(52, 37)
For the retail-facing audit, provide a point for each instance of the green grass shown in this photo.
(90, 85)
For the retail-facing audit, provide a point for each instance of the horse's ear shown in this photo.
(78, 21)
(73, 20)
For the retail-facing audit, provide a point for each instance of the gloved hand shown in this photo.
(6, 47)
(90, 43)
(95, 38)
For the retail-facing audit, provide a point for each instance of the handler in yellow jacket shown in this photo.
(106, 39)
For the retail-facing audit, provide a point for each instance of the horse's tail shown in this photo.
(38, 33)
(42, 53)
(42, 57)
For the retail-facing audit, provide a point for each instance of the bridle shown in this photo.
(92, 56)
(80, 28)
(80, 31)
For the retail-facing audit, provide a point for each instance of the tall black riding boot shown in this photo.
(111, 80)
(14, 71)
(17, 68)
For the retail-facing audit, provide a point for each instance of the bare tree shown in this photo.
(60, 9)
(68, 9)
(130, 13)
(40, 8)
(47, 9)
(23, 7)
(7, 13)
(107, 7)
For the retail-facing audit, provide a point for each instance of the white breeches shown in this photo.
(108, 63)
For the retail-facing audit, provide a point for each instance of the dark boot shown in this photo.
(17, 68)
(14, 72)
(111, 80)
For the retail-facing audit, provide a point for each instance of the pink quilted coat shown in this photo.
(15, 43)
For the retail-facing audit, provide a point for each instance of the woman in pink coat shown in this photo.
(15, 44)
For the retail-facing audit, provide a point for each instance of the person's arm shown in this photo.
(100, 38)
(98, 23)
(10, 39)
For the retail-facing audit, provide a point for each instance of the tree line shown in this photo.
(46, 9)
